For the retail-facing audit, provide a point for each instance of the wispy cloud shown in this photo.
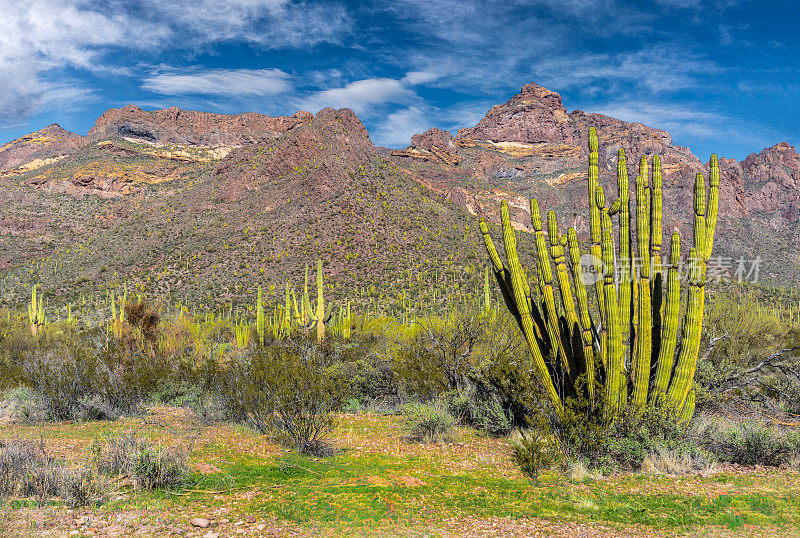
(686, 121)
(361, 95)
(229, 82)
(41, 39)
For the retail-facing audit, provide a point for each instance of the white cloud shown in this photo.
(420, 77)
(401, 125)
(230, 82)
(40, 39)
(361, 95)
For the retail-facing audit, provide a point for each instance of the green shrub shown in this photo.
(439, 356)
(492, 418)
(622, 446)
(428, 422)
(289, 388)
(532, 452)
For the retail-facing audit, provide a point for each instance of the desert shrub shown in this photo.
(623, 445)
(532, 452)
(428, 422)
(749, 354)
(27, 471)
(90, 377)
(370, 374)
(491, 417)
(21, 404)
(676, 462)
(483, 411)
(749, 442)
(502, 370)
(150, 466)
(290, 388)
(439, 356)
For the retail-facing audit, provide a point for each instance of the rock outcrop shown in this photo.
(46, 145)
(433, 145)
(176, 126)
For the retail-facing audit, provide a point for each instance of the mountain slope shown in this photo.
(206, 207)
(220, 228)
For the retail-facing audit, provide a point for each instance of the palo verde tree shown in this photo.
(620, 350)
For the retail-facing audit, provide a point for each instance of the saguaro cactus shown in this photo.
(36, 315)
(320, 315)
(260, 317)
(630, 338)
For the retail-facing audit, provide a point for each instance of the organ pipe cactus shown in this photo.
(620, 351)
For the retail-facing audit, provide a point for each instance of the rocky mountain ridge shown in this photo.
(530, 146)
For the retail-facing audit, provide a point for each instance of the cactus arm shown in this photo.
(641, 362)
(713, 206)
(260, 317)
(687, 410)
(625, 258)
(692, 327)
(487, 292)
(320, 314)
(546, 280)
(502, 275)
(672, 308)
(656, 203)
(613, 382)
(583, 309)
(517, 278)
(557, 252)
(595, 225)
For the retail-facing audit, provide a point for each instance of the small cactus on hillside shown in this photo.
(36, 315)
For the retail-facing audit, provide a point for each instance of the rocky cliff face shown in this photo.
(531, 146)
(773, 181)
(176, 126)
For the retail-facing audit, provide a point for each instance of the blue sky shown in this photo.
(720, 75)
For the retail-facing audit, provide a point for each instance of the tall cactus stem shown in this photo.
(666, 358)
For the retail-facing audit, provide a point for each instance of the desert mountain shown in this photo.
(531, 146)
(212, 223)
(207, 206)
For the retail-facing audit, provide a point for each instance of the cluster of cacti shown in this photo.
(621, 350)
(118, 317)
(342, 323)
(300, 315)
(36, 315)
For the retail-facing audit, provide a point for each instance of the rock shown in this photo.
(200, 522)
(324, 155)
(176, 126)
(434, 137)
